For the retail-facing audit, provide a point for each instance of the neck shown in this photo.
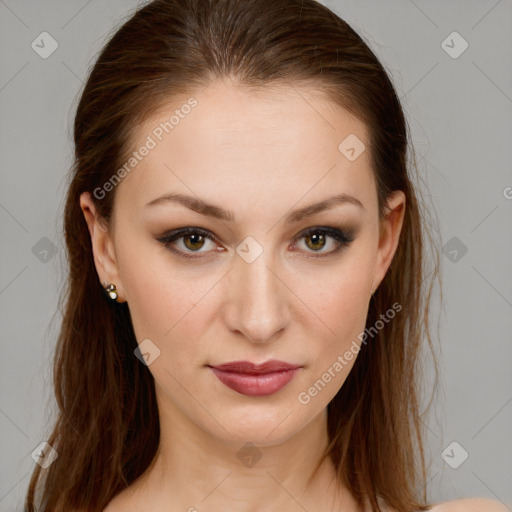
(194, 471)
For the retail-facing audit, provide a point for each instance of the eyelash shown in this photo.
(343, 238)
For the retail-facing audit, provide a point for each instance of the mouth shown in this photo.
(252, 379)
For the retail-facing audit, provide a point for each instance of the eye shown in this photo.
(316, 239)
(192, 241)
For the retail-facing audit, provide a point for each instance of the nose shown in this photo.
(257, 300)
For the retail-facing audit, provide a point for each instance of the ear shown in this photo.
(102, 246)
(389, 235)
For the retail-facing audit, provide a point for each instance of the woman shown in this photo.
(245, 307)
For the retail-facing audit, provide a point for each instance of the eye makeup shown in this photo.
(191, 235)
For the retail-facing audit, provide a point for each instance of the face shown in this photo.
(261, 274)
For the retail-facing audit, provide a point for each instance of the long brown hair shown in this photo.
(107, 429)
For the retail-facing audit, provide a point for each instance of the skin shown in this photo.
(278, 149)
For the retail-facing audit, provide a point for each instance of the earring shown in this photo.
(110, 289)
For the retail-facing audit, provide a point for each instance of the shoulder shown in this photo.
(470, 505)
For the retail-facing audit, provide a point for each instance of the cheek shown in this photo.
(154, 300)
(163, 297)
(345, 315)
(340, 301)
(339, 311)
(342, 308)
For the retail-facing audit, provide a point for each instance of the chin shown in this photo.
(263, 424)
(260, 433)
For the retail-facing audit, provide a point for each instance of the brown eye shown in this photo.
(193, 241)
(315, 241)
(318, 238)
(187, 241)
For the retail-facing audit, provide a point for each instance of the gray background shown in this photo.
(459, 110)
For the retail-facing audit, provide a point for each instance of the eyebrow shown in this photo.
(211, 210)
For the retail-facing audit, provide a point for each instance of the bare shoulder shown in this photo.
(470, 505)
(125, 502)
(119, 504)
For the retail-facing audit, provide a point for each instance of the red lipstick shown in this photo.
(255, 379)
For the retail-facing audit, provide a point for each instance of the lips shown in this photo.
(252, 379)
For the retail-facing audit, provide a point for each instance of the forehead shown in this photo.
(229, 137)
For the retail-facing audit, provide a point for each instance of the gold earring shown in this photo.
(111, 291)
